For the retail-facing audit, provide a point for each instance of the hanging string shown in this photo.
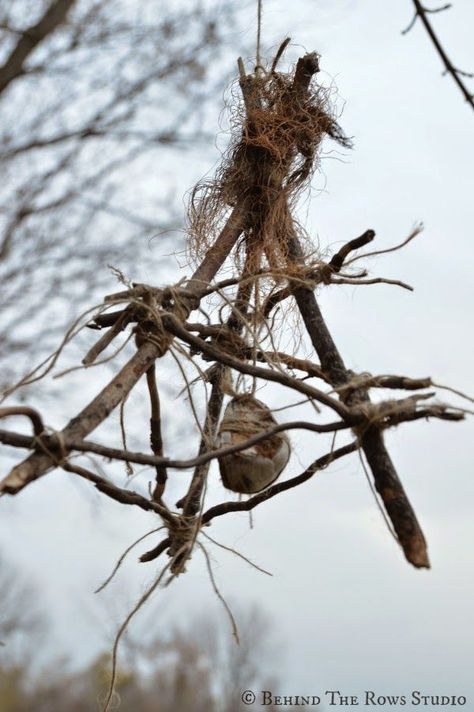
(255, 333)
(259, 34)
(256, 307)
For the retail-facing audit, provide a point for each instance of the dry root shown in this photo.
(278, 130)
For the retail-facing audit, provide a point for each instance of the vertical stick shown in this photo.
(192, 500)
(387, 482)
(156, 440)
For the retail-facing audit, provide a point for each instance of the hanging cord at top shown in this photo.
(258, 64)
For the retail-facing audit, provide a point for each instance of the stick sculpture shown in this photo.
(244, 217)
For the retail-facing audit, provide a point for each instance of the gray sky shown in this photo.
(350, 612)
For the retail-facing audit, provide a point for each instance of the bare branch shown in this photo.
(118, 494)
(339, 258)
(25, 441)
(246, 505)
(156, 440)
(414, 233)
(30, 413)
(90, 417)
(373, 280)
(422, 13)
(54, 16)
(173, 325)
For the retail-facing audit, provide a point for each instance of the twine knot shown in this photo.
(53, 445)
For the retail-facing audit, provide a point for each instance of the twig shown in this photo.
(118, 494)
(156, 440)
(279, 54)
(246, 505)
(240, 347)
(24, 441)
(422, 12)
(31, 413)
(237, 553)
(322, 273)
(191, 501)
(386, 479)
(156, 551)
(374, 280)
(414, 233)
(54, 14)
(88, 419)
(366, 380)
(123, 557)
(140, 603)
(107, 338)
(174, 326)
(385, 476)
(107, 319)
(235, 630)
(339, 258)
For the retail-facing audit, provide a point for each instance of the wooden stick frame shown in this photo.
(161, 316)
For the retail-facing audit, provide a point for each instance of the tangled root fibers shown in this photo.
(275, 145)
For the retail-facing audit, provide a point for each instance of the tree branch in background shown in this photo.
(457, 74)
(86, 118)
(56, 13)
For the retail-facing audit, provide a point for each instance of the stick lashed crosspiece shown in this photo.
(385, 476)
(283, 122)
(386, 480)
(389, 413)
(112, 395)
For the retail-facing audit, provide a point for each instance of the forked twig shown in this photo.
(422, 13)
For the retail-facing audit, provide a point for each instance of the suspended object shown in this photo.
(251, 470)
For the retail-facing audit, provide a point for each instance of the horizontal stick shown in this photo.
(118, 494)
(31, 413)
(25, 441)
(197, 286)
(173, 325)
(104, 403)
(246, 505)
(366, 380)
(85, 422)
(156, 552)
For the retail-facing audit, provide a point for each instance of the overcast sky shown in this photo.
(351, 613)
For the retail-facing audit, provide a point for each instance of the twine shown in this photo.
(258, 64)
(58, 437)
(375, 413)
(150, 327)
(249, 421)
(183, 533)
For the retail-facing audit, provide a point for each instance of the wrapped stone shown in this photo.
(251, 470)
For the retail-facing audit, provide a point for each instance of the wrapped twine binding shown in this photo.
(255, 468)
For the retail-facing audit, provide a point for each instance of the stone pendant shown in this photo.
(251, 470)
